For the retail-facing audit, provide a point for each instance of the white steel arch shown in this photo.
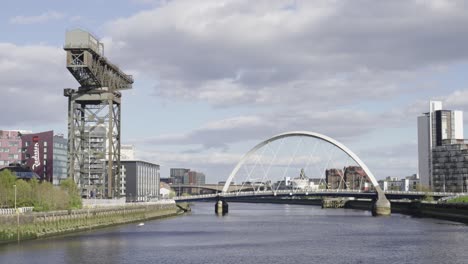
(306, 134)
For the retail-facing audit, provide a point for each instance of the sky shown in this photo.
(214, 78)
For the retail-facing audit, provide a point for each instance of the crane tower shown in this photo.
(94, 112)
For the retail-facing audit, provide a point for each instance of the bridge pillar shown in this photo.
(381, 206)
(221, 207)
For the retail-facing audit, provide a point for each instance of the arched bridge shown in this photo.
(381, 206)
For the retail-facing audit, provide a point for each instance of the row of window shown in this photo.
(10, 144)
(28, 143)
(10, 137)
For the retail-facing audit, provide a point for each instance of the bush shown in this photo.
(460, 199)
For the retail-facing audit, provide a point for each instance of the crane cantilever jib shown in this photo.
(86, 62)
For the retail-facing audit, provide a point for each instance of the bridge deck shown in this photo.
(335, 193)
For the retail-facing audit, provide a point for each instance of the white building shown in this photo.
(164, 190)
(410, 183)
(127, 152)
(391, 184)
(434, 127)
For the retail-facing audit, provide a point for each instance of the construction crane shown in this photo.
(94, 116)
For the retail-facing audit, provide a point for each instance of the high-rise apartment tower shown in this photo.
(434, 127)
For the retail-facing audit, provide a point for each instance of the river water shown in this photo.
(257, 233)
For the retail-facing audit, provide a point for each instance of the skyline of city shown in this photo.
(202, 98)
(234, 131)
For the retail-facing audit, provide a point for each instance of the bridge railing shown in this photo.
(307, 192)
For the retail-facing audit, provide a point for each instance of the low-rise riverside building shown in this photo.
(356, 178)
(409, 183)
(142, 180)
(21, 172)
(334, 179)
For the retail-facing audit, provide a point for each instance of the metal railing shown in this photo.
(12, 211)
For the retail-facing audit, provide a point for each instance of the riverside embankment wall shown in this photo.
(36, 225)
(446, 211)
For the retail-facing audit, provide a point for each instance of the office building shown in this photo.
(177, 175)
(46, 155)
(142, 180)
(450, 167)
(436, 128)
(194, 178)
(59, 159)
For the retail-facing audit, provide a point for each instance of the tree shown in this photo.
(172, 194)
(422, 188)
(7, 181)
(69, 186)
(23, 193)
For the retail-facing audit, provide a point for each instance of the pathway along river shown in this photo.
(257, 233)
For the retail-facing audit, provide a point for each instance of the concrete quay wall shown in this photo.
(36, 225)
(445, 211)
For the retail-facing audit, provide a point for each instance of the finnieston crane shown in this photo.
(94, 116)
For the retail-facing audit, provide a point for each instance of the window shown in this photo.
(45, 143)
(45, 156)
(13, 143)
(13, 156)
(27, 143)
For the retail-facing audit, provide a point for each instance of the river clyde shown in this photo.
(257, 233)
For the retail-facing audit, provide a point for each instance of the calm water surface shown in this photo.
(257, 233)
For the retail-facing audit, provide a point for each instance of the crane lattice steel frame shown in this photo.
(94, 115)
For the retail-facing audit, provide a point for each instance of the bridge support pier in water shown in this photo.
(381, 206)
(221, 207)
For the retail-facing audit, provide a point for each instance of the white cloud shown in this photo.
(458, 98)
(231, 53)
(42, 18)
(220, 134)
(32, 79)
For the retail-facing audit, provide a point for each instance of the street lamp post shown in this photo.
(14, 186)
(17, 217)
